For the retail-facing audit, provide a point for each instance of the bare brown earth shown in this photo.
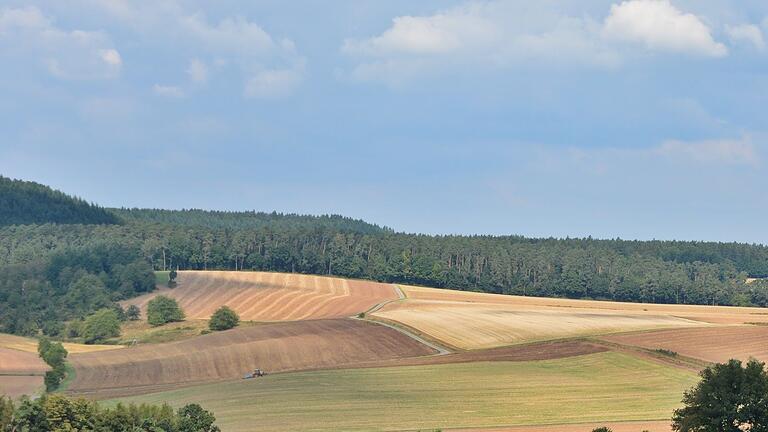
(20, 385)
(261, 296)
(651, 426)
(21, 373)
(276, 347)
(712, 344)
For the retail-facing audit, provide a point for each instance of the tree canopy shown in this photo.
(162, 310)
(223, 319)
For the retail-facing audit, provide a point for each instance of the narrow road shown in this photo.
(441, 350)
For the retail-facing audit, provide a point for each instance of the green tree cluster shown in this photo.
(23, 202)
(223, 319)
(54, 354)
(57, 413)
(162, 310)
(102, 325)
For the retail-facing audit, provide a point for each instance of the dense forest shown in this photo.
(647, 271)
(23, 202)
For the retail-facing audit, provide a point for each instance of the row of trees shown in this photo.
(56, 413)
(54, 355)
(662, 272)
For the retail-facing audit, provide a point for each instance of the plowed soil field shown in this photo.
(275, 347)
(21, 373)
(260, 296)
(718, 344)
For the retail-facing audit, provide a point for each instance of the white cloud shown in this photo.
(230, 43)
(723, 152)
(168, 91)
(76, 54)
(476, 35)
(197, 71)
(272, 84)
(660, 26)
(747, 33)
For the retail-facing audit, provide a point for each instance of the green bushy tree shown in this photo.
(133, 313)
(162, 310)
(224, 319)
(730, 397)
(101, 325)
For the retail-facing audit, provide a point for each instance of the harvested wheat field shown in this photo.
(274, 347)
(29, 345)
(706, 314)
(487, 325)
(469, 320)
(21, 373)
(718, 344)
(260, 296)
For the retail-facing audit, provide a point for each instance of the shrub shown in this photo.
(162, 310)
(133, 313)
(101, 325)
(53, 354)
(223, 319)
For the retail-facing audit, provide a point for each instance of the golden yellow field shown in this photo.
(473, 320)
(20, 343)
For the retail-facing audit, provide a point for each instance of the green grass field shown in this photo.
(599, 387)
(162, 277)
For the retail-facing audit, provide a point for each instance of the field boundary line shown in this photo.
(679, 361)
(439, 347)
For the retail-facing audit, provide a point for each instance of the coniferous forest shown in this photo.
(48, 263)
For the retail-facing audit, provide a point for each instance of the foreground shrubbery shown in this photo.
(57, 413)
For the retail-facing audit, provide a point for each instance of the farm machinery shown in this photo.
(255, 374)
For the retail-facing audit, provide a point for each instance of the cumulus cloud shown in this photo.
(659, 25)
(67, 54)
(747, 33)
(168, 91)
(498, 34)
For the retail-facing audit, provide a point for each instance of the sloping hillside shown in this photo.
(24, 202)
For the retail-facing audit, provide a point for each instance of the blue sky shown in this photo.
(610, 118)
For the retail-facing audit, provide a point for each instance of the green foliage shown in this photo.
(102, 325)
(172, 278)
(224, 319)
(729, 397)
(54, 354)
(602, 429)
(6, 413)
(68, 285)
(23, 202)
(57, 413)
(133, 313)
(162, 310)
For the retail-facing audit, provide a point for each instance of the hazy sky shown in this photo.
(638, 119)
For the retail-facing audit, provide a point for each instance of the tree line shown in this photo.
(639, 271)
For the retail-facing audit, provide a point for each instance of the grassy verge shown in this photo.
(600, 387)
(162, 277)
(68, 378)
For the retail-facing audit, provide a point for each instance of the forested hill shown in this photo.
(247, 220)
(24, 202)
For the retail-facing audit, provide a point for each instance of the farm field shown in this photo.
(718, 344)
(29, 345)
(470, 395)
(476, 321)
(261, 296)
(275, 347)
(20, 372)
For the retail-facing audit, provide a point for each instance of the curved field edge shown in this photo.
(273, 347)
(480, 394)
(267, 296)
